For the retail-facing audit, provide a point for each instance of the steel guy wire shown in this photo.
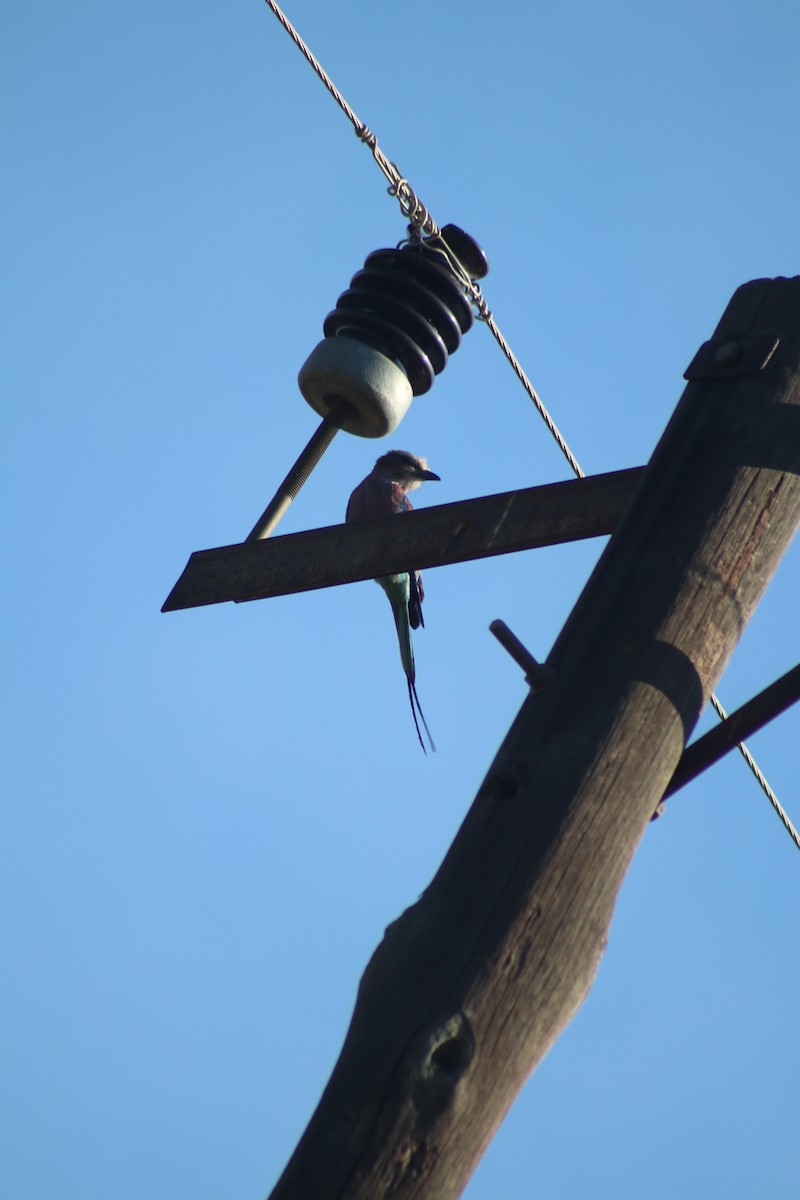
(753, 765)
(423, 223)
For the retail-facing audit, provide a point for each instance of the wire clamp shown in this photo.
(365, 135)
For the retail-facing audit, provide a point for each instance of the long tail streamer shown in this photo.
(416, 707)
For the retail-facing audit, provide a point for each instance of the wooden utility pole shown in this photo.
(473, 983)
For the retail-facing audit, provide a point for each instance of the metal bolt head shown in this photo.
(727, 353)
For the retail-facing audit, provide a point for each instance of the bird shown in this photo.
(385, 490)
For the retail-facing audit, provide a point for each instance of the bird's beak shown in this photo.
(428, 477)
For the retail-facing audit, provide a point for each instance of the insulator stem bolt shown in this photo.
(313, 452)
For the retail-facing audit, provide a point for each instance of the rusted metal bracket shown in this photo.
(430, 537)
(728, 357)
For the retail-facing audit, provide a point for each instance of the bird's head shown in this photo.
(409, 470)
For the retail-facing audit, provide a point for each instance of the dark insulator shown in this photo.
(471, 256)
(409, 306)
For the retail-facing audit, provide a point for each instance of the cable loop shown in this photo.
(482, 310)
(412, 207)
(365, 135)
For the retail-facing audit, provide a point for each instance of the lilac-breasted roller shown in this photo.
(385, 491)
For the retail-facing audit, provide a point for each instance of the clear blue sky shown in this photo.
(211, 816)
